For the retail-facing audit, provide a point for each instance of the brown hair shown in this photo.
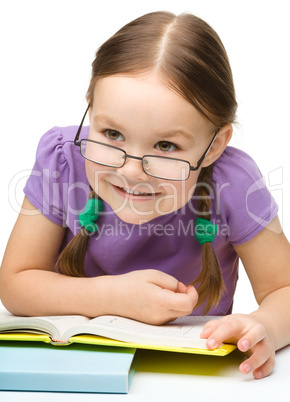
(71, 260)
(190, 59)
(209, 282)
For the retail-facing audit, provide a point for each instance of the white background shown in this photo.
(46, 52)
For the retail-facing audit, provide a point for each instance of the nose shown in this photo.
(133, 169)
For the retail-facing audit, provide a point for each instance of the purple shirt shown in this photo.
(241, 206)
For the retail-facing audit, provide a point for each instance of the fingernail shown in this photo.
(245, 345)
(211, 344)
(247, 368)
(258, 374)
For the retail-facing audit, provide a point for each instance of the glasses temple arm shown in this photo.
(76, 142)
(206, 151)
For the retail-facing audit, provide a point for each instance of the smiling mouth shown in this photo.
(136, 193)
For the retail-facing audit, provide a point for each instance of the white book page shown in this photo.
(64, 323)
(184, 332)
(52, 325)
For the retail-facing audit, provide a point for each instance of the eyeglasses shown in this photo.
(160, 167)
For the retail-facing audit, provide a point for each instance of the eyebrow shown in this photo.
(171, 133)
(108, 120)
(176, 133)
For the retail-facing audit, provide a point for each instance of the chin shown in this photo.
(135, 219)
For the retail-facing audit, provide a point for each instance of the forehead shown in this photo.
(144, 98)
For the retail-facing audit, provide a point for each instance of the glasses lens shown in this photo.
(166, 168)
(102, 154)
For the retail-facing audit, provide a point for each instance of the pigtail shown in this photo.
(71, 260)
(209, 283)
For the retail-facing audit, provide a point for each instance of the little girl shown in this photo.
(146, 212)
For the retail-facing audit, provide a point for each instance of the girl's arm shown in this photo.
(28, 285)
(266, 259)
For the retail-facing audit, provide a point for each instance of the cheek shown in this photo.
(180, 189)
(177, 194)
(90, 168)
(94, 174)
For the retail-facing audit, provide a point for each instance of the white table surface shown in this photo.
(165, 376)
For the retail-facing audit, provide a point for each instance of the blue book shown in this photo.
(33, 366)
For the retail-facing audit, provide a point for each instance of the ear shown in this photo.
(221, 141)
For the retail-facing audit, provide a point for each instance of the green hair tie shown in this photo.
(205, 231)
(87, 218)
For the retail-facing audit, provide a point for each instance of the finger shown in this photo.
(208, 328)
(182, 288)
(253, 337)
(261, 361)
(192, 292)
(179, 302)
(266, 368)
(227, 329)
(163, 280)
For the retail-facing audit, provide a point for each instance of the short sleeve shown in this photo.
(243, 202)
(44, 187)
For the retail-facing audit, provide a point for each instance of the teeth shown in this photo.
(135, 192)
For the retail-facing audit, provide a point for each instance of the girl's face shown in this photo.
(143, 117)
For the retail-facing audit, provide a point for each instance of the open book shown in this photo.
(181, 335)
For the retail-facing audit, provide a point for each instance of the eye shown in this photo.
(114, 135)
(166, 146)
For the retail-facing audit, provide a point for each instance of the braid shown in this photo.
(203, 191)
(71, 260)
(209, 282)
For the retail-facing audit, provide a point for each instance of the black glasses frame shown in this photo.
(126, 156)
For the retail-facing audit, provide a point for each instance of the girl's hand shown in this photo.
(150, 296)
(250, 335)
